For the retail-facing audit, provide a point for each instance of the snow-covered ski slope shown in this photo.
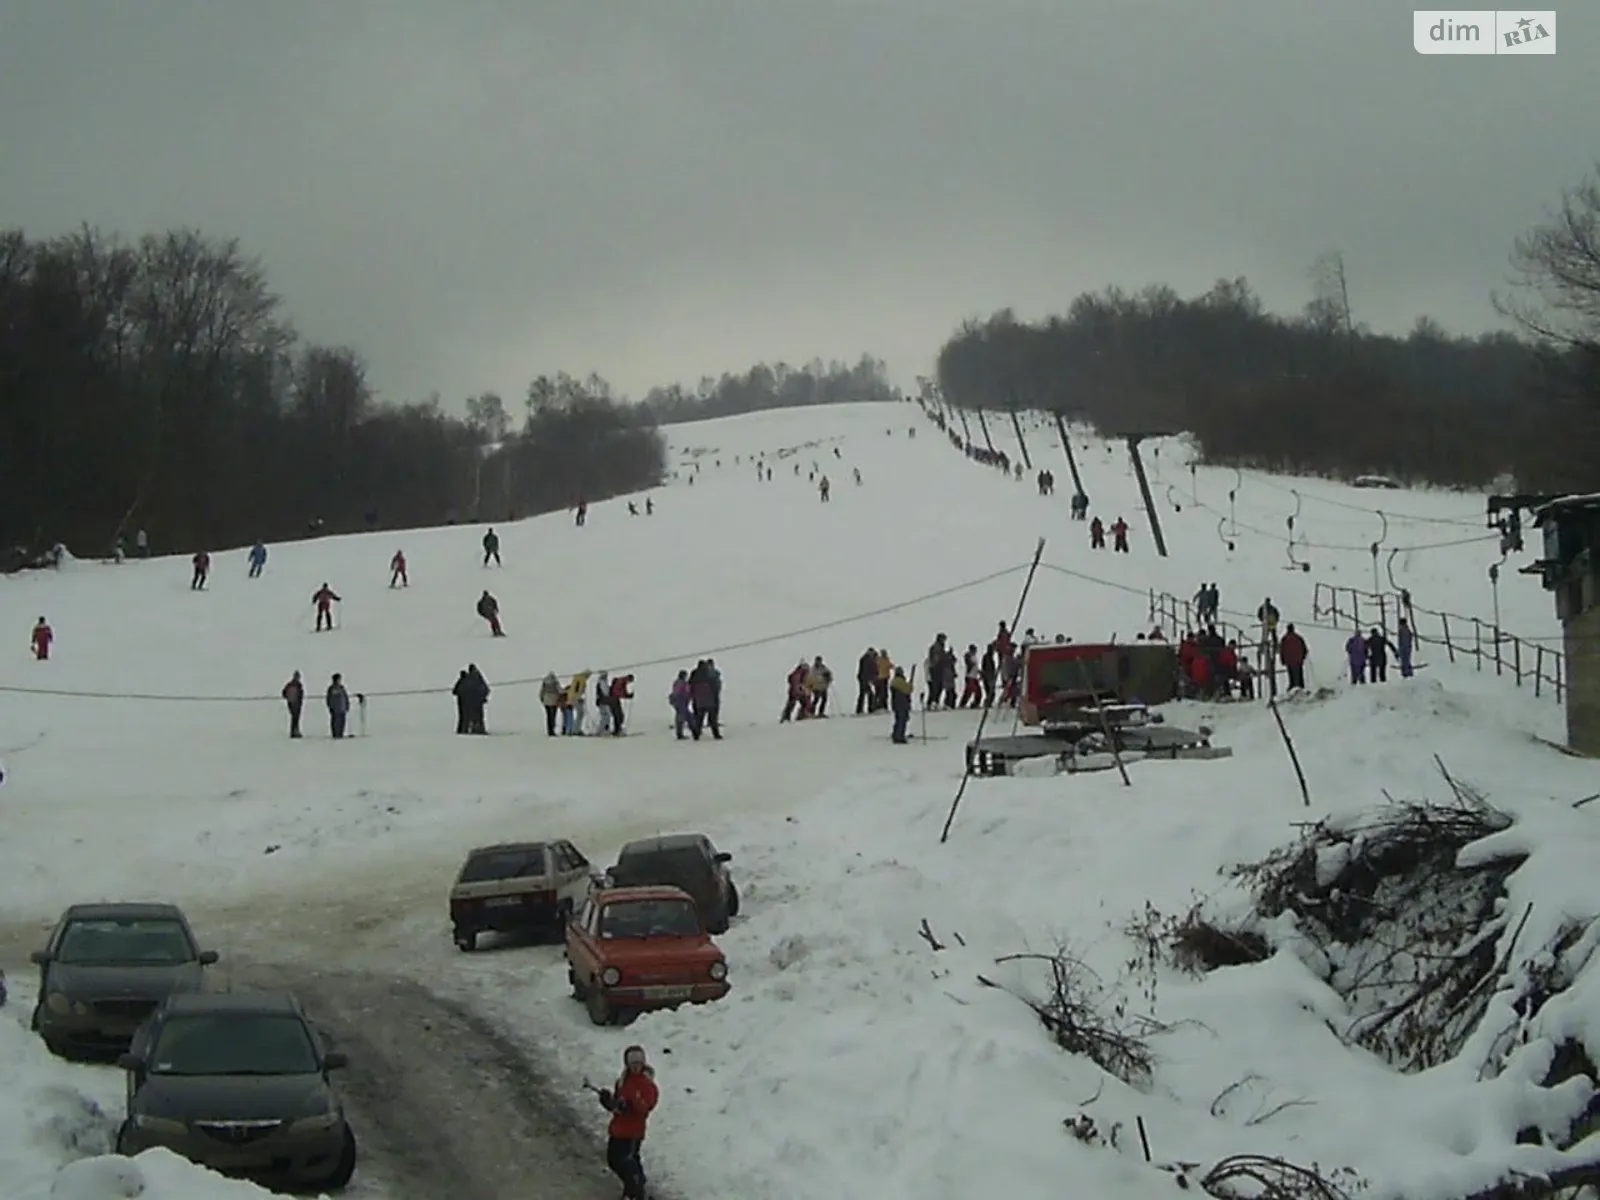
(852, 1059)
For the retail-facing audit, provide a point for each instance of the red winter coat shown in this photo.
(43, 635)
(1292, 650)
(323, 598)
(638, 1093)
(1228, 659)
(1200, 670)
(619, 687)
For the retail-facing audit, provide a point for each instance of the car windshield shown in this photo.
(234, 1044)
(504, 864)
(649, 918)
(678, 867)
(160, 942)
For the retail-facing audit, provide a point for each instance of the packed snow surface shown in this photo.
(852, 1058)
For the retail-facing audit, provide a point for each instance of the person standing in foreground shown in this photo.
(630, 1102)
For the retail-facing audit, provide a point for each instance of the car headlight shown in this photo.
(58, 1003)
(159, 1125)
(718, 970)
(320, 1123)
(611, 977)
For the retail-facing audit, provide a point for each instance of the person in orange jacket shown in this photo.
(630, 1101)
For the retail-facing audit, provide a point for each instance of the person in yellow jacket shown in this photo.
(575, 704)
(900, 704)
(880, 694)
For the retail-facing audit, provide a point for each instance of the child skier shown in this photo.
(40, 639)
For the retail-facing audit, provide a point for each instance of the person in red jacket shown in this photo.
(630, 1101)
(202, 570)
(324, 598)
(1292, 653)
(1200, 675)
(43, 635)
(397, 570)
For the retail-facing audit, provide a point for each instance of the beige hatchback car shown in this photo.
(519, 887)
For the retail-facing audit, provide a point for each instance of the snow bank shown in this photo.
(57, 1125)
(853, 1058)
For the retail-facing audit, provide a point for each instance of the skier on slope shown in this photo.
(40, 639)
(900, 705)
(258, 560)
(489, 610)
(324, 598)
(491, 548)
(1097, 534)
(1119, 536)
(397, 570)
(202, 570)
(630, 1101)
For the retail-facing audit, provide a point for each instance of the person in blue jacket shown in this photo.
(258, 559)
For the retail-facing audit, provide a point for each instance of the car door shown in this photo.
(574, 884)
(51, 946)
(582, 950)
(718, 869)
(140, 1046)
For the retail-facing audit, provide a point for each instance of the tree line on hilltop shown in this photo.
(157, 384)
(1321, 393)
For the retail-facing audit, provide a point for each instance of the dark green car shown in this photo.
(105, 969)
(239, 1082)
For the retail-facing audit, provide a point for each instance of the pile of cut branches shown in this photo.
(1408, 935)
(1083, 1017)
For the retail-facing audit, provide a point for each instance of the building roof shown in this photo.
(126, 911)
(1565, 506)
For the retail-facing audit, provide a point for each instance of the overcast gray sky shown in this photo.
(475, 191)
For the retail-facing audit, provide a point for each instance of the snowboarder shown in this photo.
(258, 560)
(294, 696)
(1119, 537)
(1292, 653)
(550, 698)
(489, 610)
(338, 701)
(900, 705)
(40, 639)
(1097, 534)
(1405, 643)
(202, 570)
(491, 548)
(324, 598)
(1355, 651)
(630, 1101)
(397, 570)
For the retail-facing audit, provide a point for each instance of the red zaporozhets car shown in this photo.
(630, 950)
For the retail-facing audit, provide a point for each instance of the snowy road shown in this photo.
(445, 1104)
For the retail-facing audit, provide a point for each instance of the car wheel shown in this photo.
(733, 900)
(345, 1169)
(599, 1007)
(578, 990)
(62, 1049)
(466, 940)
